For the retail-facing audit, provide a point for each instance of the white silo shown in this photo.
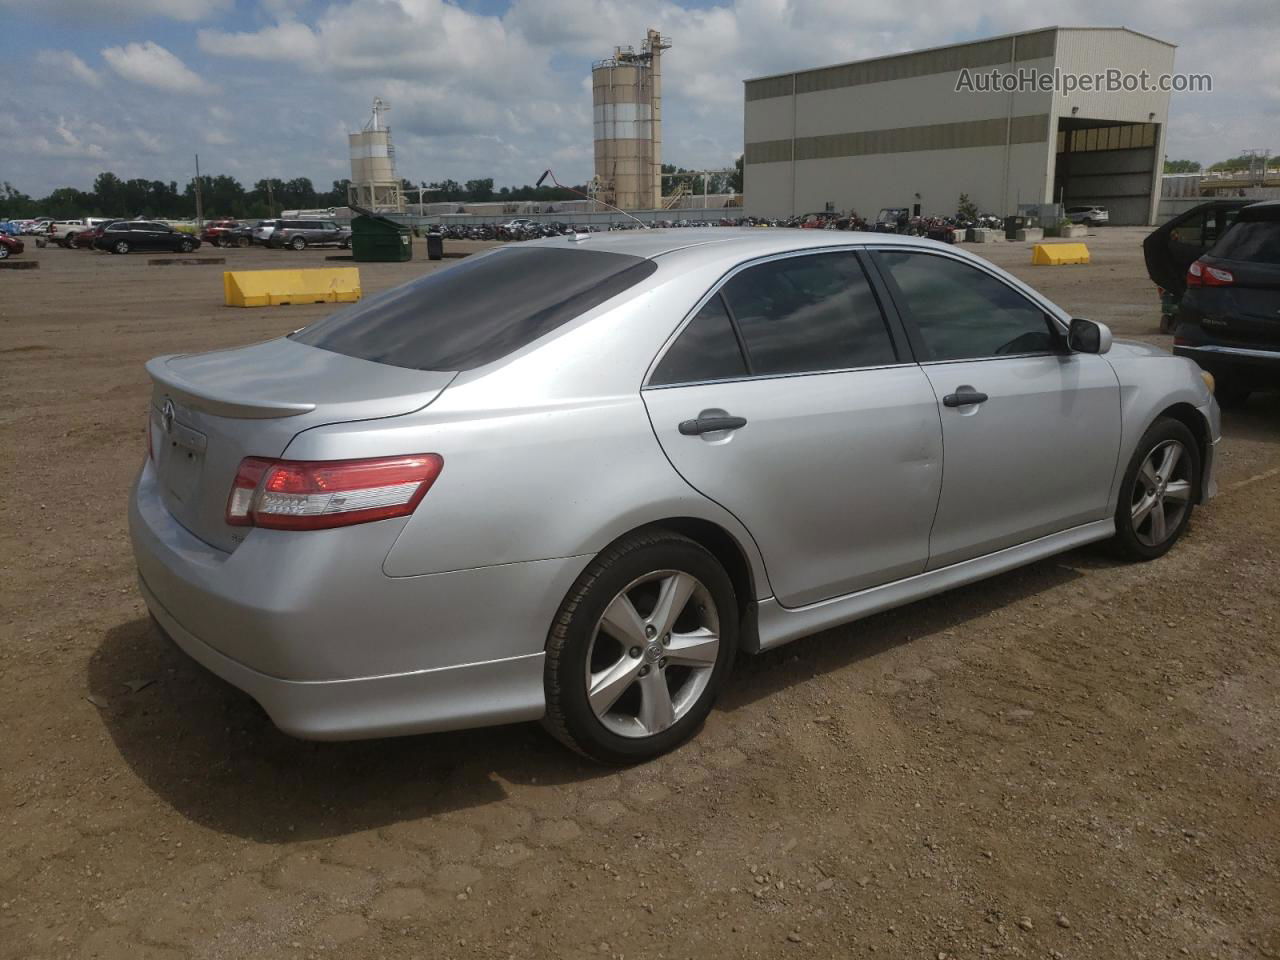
(626, 93)
(374, 182)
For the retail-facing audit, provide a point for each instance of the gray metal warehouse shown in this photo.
(896, 132)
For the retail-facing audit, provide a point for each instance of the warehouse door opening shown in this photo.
(1109, 164)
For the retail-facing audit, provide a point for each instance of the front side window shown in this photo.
(963, 313)
(478, 311)
(707, 349)
(809, 314)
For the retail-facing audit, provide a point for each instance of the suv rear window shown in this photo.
(1253, 241)
(479, 310)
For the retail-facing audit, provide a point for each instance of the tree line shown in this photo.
(224, 196)
(1222, 166)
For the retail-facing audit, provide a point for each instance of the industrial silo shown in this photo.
(627, 99)
(374, 183)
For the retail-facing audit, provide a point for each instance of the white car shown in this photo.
(1091, 215)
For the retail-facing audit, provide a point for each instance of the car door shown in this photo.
(151, 236)
(1031, 432)
(789, 399)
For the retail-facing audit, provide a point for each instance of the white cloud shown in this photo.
(289, 39)
(152, 65)
(68, 62)
(79, 12)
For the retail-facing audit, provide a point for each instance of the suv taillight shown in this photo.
(318, 494)
(1202, 275)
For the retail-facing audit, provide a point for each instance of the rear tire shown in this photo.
(120, 246)
(242, 241)
(4, 252)
(1159, 491)
(298, 243)
(640, 648)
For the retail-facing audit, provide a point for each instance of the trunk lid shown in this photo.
(1246, 313)
(211, 410)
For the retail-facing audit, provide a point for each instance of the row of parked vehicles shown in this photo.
(295, 234)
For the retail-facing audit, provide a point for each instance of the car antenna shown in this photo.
(547, 173)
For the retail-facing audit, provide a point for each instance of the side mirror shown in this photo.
(1088, 336)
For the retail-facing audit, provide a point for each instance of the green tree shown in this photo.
(735, 181)
(1182, 166)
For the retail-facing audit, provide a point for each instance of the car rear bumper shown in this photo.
(447, 698)
(311, 627)
(1213, 357)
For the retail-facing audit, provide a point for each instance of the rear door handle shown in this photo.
(963, 397)
(693, 428)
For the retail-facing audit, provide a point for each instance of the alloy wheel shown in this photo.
(1161, 493)
(652, 653)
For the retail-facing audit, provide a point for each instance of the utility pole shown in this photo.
(199, 199)
(271, 203)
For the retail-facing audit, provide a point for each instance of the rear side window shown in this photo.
(808, 314)
(1253, 241)
(707, 349)
(478, 311)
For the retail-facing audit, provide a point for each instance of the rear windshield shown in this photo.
(479, 310)
(1253, 241)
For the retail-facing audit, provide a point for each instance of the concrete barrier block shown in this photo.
(261, 288)
(1056, 254)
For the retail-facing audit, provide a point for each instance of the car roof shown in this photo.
(1266, 210)
(746, 241)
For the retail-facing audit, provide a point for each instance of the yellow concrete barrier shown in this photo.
(261, 288)
(1053, 254)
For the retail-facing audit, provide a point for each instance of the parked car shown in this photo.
(795, 429)
(1170, 249)
(240, 235)
(263, 229)
(126, 236)
(218, 231)
(87, 237)
(1229, 318)
(891, 219)
(300, 234)
(10, 246)
(1089, 214)
(62, 232)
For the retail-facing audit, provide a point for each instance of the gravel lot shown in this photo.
(1078, 759)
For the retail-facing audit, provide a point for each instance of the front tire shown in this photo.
(186, 246)
(1159, 491)
(640, 648)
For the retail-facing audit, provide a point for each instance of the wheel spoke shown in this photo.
(1142, 508)
(1172, 454)
(1157, 524)
(656, 709)
(608, 685)
(1148, 474)
(672, 597)
(1178, 490)
(698, 649)
(623, 623)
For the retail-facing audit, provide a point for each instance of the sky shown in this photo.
(501, 88)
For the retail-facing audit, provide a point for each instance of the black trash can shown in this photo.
(1012, 225)
(435, 246)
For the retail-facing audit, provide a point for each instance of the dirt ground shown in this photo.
(1075, 760)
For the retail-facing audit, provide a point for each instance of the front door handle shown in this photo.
(693, 428)
(963, 397)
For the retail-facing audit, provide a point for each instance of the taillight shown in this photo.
(318, 494)
(1202, 275)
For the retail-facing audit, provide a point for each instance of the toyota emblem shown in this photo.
(166, 415)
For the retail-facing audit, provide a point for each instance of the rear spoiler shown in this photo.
(219, 404)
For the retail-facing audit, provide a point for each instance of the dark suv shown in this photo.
(1229, 319)
(122, 236)
(300, 234)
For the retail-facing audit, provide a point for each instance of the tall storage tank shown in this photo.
(626, 94)
(374, 183)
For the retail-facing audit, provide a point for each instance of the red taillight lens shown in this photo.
(318, 494)
(1202, 275)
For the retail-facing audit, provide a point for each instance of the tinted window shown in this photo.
(1254, 241)
(479, 310)
(706, 350)
(811, 313)
(963, 313)
(1190, 231)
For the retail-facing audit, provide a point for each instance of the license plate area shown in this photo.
(181, 456)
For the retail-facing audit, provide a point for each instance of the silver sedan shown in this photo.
(571, 480)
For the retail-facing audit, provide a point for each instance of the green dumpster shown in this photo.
(375, 238)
